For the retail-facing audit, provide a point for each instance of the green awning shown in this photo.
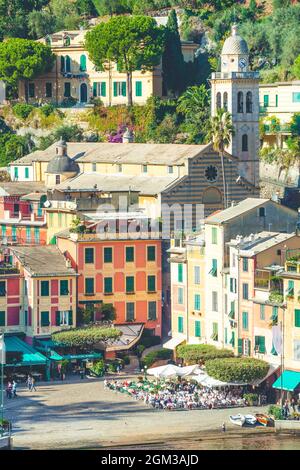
(31, 357)
(289, 380)
(71, 357)
(53, 240)
(54, 356)
(231, 314)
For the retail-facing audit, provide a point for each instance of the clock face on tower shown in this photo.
(211, 173)
(242, 63)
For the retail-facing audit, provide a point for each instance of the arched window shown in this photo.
(240, 102)
(62, 64)
(68, 64)
(83, 63)
(219, 100)
(225, 101)
(244, 143)
(67, 40)
(249, 102)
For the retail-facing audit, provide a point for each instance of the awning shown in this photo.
(174, 342)
(31, 357)
(130, 335)
(54, 356)
(71, 357)
(289, 380)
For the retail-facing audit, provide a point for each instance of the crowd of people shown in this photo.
(184, 395)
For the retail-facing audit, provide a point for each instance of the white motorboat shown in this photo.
(238, 420)
(250, 420)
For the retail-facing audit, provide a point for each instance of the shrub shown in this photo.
(47, 109)
(154, 356)
(98, 367)
(251, 398)
(140, 349)
(275, 411)
(22, 110)
(237, 369)
(195, 353)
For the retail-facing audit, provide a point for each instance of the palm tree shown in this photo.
(220, 132)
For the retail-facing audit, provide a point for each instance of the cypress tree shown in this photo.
(172, 61)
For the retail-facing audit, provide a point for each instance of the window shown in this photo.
(3, 231)
(45, 319)
(138, 88)
(232, 310)
(31, 90)
(82, 66)
(129, 284)
(25, 317)
(198, 329)
(170, 169)
(44, 288)
(62, 64)
(119, 88)
(64, 287)
(57, 179)
(214, 268)
(67, 90)
(225, 101)
(180, 324)
(244, 143)
(151, 310)
(2, 318)
(14, 233)
(197, 274)
(262, 212)
(249, 106)
(246, 347)
(290, 289)
(151, 253)
(48, 90)
(36, 235)
(28, 234)
(108, 255)
(276, 101)
(64, 317)
(180, 296)
(240, 102)
(274, 316)
(226, 336)
(151, 283)
(129, 254)
(245, 264)
(89, 255)
(197, 302)
(214, 235)
(16, 173)
(180, 272)
(266, 101)
(260, 344)
(130, 311)
(119, 168)
(99, 89)
(89, 285)
(26, 173)
(214, 335)
(108, 285)
(296, 97)
(94, 166)
(214, 301)
(297, 318)
(262, 315)
(68, 64)
(219, 100)
(296, 349)
(245, 320)
(245, 291)
(144, 168)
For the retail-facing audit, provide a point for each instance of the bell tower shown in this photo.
(236, 89)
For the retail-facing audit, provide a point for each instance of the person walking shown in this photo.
(9, 390)
(14, 389)
(286, 409)
(293, 404)
(33, 384)
(29, 382)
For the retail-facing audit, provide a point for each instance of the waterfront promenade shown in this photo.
(82, 414)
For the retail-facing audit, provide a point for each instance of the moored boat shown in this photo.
(238, 420)
(250, 420)
(263, 419)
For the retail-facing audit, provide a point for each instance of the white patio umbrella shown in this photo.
(168, 370)
(189, 370)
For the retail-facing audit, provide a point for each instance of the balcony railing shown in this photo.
(235, 75)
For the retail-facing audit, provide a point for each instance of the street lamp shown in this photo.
(145, 372)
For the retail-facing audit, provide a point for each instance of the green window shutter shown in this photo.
(245, 264)
(123, 88)
(70, 317)
(225, 336)
(260, 343)
(180, 324)
(67, 91)
(64, 287)
(36, 235)
(83, 63)
(95, 84)
(215, 331)
(2, 288)
(62, 64)
(180, 296)
(108, 285)
(180, 272)
(129, 284)
(45, 319)
(2, 318)
(89, 255)
(103, 89)
(14, 233)
(115, 88)
(214, 268)
(89, 285)
(245, 291)
(266, 101)
(45, 288)
(68, 63)
(198, 329)
(262, 312)
(152, 311)
(245, 320)
(138, 88)
(214, 235)
(130, 311)
(276, 101)
(240, 346)
(151, 253)
(151, 284)
(57, 318)
(197, 302)
(108, 255)
(129, 254)
(26, 173)
(28, 234)
(291, 288)
(297, 318)
(3, 230)
(232, 340)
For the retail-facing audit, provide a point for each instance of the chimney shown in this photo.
(128, 137)
(68, 263)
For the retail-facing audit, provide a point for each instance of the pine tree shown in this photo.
(172, 60)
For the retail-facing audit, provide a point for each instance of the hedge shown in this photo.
(237, 369)
(194, 353)
(154, 356)
(22, 110)
(84, 337)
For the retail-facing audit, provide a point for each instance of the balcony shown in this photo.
(235, 75)
(277, 129)
(8, 269)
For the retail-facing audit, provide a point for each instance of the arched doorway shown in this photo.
(83, 93)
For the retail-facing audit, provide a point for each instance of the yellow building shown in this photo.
(75, 77)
